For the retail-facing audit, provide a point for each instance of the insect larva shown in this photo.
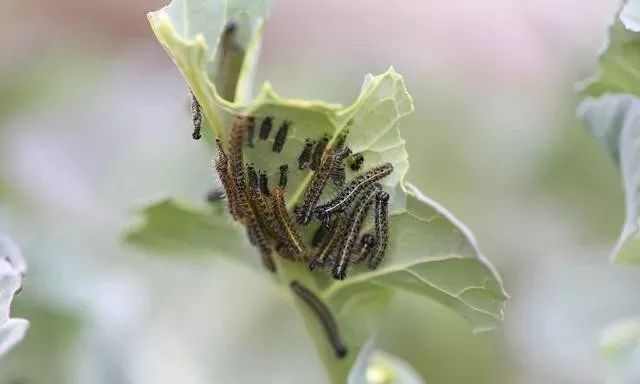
(196, 117)
(259, 202)
(251, 130)
(215, 195)
(256, 237)
(324, 316)
(338, 173)
(264, 183)
(305, 156)
(284, 170)
(341, 139)
(281, 137)
(314, 190)
(318, 151)
(331, 244)
(265, 128)
(356, 162)
(366, 247)
(221, 163)
(319, 236)
(236, 163)
(382, 228)
(288, 233)
(356, 220)
(252, 177)
(346, 195)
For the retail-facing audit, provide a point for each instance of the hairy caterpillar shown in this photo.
(331, 244)
(196, 116)
(382, 229)
(281, 137)
(291, 240)
(284, 170)
(265, 128)
(305, 156)
(251, 130)
(356, 162)
(318, 151)
(264, 183)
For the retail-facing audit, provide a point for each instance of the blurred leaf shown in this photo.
(430, 253)
(12, 267)
(619, 63)
(620, 348)
(378, 367)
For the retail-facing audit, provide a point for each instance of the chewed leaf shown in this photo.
(615, 121)
(12, 268)
(432, 255)
(620, 348)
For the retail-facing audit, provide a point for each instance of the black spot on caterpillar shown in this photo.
(196, 116)
(324, 316)
(284, 170)
(356, 220)
(265, 128)
(315, 188)
(318, 151)
(289, 236)
(331, 244)
(366, 247)
(344, 198)
(382, 229)
(251, 130)
(356, 162)
(264, 183)
(305, 156)
(221, 163)
(281, 137)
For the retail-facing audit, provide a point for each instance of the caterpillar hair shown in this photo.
(284, 170)
(318, 151)
(346, 195)
(256, 237)
(305, 156)
(314, 189)
(281, 137)
(324, 316)
(236, 157)
(251, 130)
(221, 163)
(356, 220)
(382, 229)
(252, 177)
(331, 244)
(289, 236)
(356, 162)
(265, 128)
(196, 116)
(338, 173)
(264, 183)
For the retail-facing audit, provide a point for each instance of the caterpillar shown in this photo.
(346, 195)
(221, 164)
(319, 236)
(366, 247)
(356, 162)
(338, 173)
(265, 128)
(315, 188)
(305, 156)
(284, 170)
(324, 316)
(341, 139)
(291, 240)
(281, 137)
(216, 194)
(382, 229)
(356, 220)
(196, 116)
(251, 130)
(258, 201)
(264, 183)
(318, 151)
(331, 244)
(236, 158)
(256, 237)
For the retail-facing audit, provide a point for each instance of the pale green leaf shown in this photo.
(620, 349)
(378, 367)
(615, 121)
(12, 268)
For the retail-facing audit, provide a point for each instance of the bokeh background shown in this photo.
(94, 123)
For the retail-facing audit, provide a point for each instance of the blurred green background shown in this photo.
(94, 123)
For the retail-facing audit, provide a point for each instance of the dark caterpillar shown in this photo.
(324, 316)
(251, 130)
(356, 162)
(382, 229)
(264, 183)
(221, 163)
(331, 244)
(289, 236)
(318, 151)
(366, 247)
(356, 220)
(265, 128)
(281, 137)
(196, 116)
(284, 170)
(305, 156)
(344, 198)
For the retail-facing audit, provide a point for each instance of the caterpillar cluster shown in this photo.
(339, 241)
